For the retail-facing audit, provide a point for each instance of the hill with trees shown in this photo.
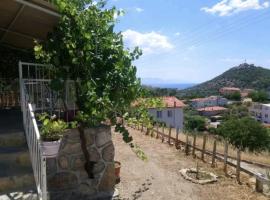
(243, 76)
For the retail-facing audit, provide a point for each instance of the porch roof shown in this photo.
(22, 21)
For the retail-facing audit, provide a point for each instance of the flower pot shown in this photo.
(50, 149)
(117, 167)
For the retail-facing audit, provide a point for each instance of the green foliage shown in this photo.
(138, 151)
(85, 48)
(194, 123)
(236, 111)
(51, 129)
(259, 96)
(236, 96)
(245, 134)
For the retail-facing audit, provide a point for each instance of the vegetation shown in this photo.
(84, 48)
(193, 121)
(259, 96)
(245, 134)
(236, 96)
(51, 129)
(242, 76)
(236, 111)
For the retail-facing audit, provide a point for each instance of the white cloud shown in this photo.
(177, 34)
(229, 7)
(151, 42)
(139, 10)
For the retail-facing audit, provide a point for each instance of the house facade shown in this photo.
(172, 113)
(208, 101)
(261, 112)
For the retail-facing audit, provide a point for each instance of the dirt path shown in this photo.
(159, 178)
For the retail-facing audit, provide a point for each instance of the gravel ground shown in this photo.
(159, 177)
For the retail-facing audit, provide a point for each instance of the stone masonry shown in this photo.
(67, 178)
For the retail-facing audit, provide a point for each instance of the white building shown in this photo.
(208, 102)
(171, 114)
(261, 112)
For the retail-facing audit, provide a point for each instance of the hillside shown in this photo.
(242, 76)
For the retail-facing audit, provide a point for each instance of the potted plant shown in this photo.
(117, 167)
(51, 132)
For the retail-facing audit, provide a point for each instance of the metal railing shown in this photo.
(33, 141)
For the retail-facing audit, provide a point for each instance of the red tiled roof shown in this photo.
(171, 102)
(213, 108)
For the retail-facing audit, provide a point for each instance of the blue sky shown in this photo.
(191, 41)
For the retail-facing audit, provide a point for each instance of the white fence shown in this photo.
(33, 141)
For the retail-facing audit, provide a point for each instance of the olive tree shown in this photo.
(245, 134)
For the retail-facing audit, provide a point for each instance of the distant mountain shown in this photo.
(242, 76)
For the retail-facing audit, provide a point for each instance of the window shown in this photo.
(159, 114)
(266, 115)
(170, 113)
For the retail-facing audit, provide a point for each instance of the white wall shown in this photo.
(175, 121)
(261, 112)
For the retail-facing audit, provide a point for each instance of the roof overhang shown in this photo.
(23, 21)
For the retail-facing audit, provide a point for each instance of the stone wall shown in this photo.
(67, 178)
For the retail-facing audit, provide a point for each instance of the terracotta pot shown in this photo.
(117, 167)
(50, 149)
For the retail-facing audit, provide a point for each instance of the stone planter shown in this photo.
(50, 149)
(67, 177)
(211, 178)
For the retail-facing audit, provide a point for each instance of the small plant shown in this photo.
(52, 129)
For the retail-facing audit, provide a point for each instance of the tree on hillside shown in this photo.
(245, 134)
(236, 111)
(236, 96)
(258, 96)
(194, 123)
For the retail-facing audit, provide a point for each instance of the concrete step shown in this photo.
(16, 139)
(15, 169)
(20, 195)
(14, 162)
(16, 183)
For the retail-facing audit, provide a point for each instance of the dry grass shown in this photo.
(263, 158)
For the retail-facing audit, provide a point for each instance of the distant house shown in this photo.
(171, 114)
(229, 90)
(211, 111)
(208, 101)
(261, 112)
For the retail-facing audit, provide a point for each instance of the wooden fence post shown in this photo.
(157, 132)
(203, 147)
(177, 139)
(170, 132)
(238, 166)
(187, 145)
(163, 132)
(259, 185)
(226, 147)
(194, 145)
(214, 154)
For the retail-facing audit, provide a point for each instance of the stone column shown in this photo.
(67, 178)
